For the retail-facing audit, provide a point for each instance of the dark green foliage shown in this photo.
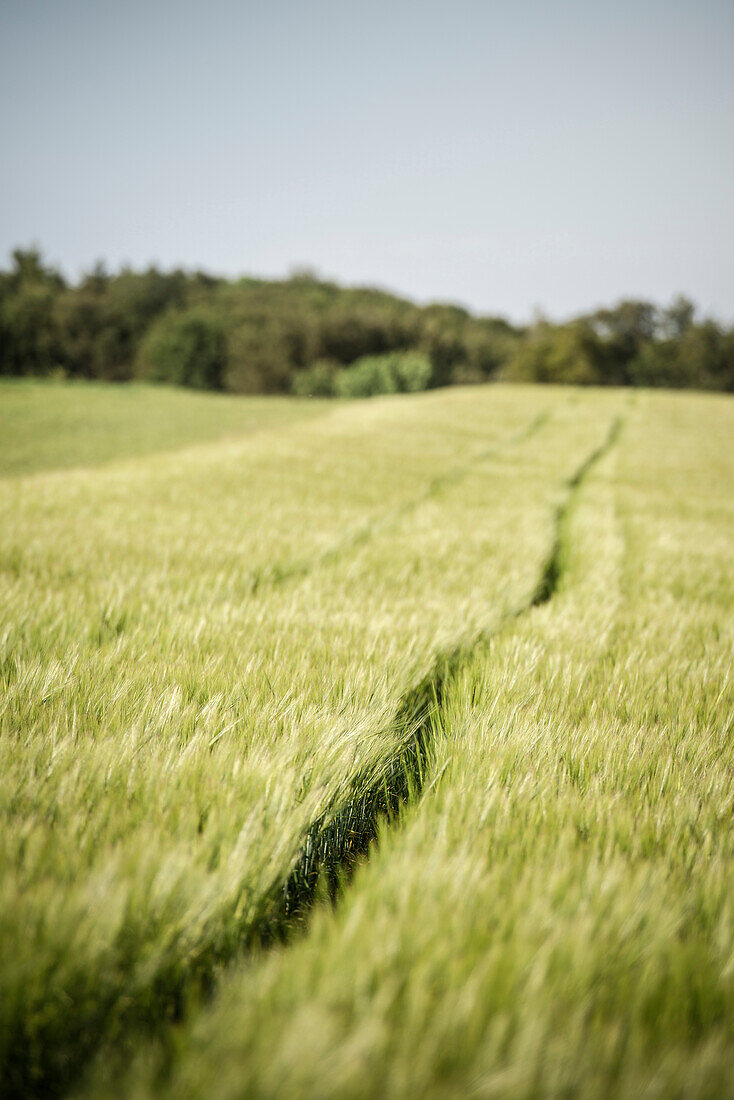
(564, 354)
(28, 339)
(702, 357)
(633, 344)
(187, 348)
(274, 331)
(89, 331)
(258, 336)
(29, 344)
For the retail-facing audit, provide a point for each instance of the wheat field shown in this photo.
(378, 748)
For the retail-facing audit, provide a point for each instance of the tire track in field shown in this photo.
(272, 576)
(341, 837)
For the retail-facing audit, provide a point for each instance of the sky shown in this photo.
(514, 157)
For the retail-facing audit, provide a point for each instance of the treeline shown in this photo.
(305, 335)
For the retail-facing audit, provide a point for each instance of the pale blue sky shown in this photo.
(504, 155)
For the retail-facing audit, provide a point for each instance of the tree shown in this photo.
(568, 354)
(185, 347)
(678, 317)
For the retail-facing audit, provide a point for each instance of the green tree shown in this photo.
(678, 317)
(186, 347)
(570, 354)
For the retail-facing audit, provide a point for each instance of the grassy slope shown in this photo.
(49, 426)
(554, 915)
(203, 651)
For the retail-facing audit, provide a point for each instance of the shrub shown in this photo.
(368, 377)
(398, 372)
(187, 348)
(413, 371)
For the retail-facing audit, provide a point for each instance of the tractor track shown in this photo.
(340, 838)
(276, 576)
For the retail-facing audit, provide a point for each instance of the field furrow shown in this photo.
(337, 840)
